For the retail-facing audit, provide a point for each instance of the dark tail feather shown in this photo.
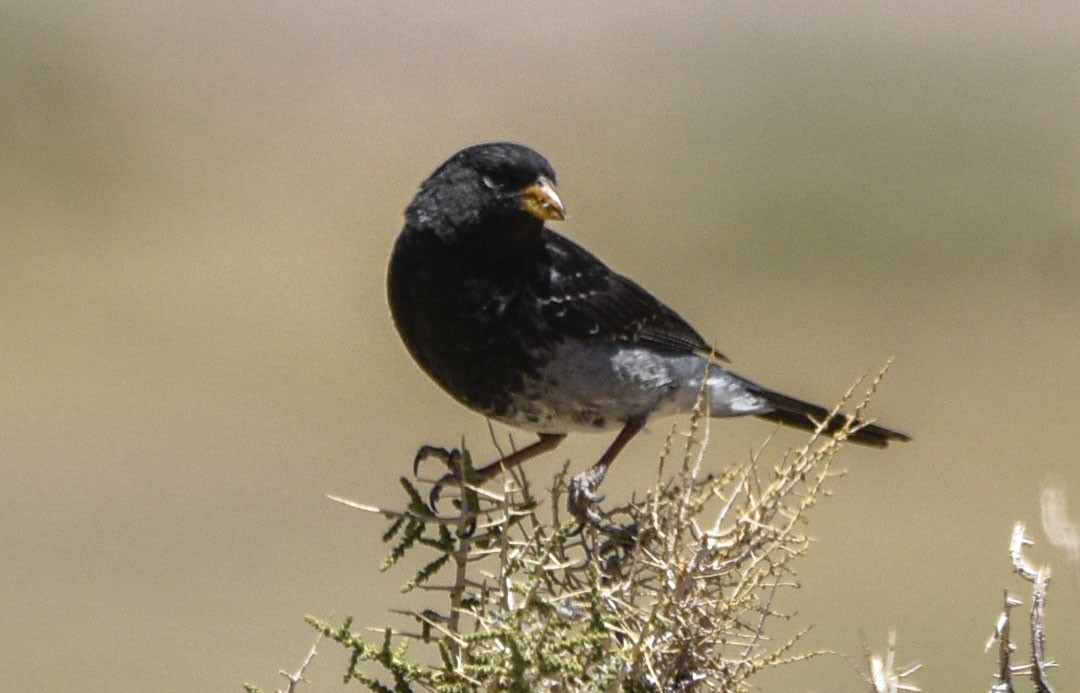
(794, 412)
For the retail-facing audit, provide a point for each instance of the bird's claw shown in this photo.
(452, 477)
(452, 459)
(583, 499)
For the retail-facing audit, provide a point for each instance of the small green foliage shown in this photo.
(414, 530)
(393, 529)
(416, 504)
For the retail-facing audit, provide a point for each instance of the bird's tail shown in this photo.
(806, 416)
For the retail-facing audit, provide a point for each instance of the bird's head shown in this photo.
(491, 183)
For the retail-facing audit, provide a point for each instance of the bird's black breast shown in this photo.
(460, 309)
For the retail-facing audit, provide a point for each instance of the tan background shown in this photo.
(197, 205)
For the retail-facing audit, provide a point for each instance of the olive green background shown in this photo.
(197, 201)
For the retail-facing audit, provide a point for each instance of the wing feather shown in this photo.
(581, 297)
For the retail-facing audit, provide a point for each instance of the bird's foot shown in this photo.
(619, 546)
(451, 459)
(583, 499)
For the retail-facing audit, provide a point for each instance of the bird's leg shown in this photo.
(547, 441)
(583, 486)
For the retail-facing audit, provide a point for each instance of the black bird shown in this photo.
(524, 326)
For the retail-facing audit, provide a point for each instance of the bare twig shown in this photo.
(295, 679)
(1039, 577)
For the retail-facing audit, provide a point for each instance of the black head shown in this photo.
(492, 182)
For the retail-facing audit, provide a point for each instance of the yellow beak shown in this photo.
(541, 200)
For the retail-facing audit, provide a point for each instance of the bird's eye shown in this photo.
(490, 182)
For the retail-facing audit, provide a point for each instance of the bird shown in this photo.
(526, 327)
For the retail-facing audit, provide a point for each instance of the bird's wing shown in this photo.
(580, 296)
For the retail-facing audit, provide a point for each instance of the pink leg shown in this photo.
(548, 441)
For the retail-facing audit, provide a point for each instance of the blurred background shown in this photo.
(199, 200)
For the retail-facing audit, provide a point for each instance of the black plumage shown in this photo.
(525, 326)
